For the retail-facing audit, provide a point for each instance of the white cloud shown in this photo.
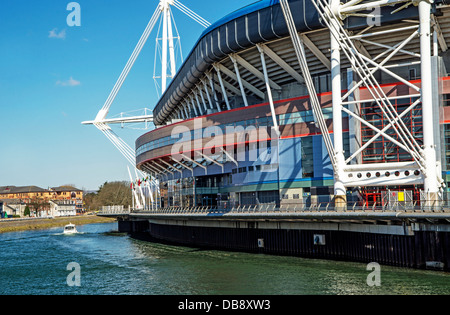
(54, 34)
(70, 82)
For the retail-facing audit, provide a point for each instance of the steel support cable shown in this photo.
(133, 58)
(367, 76)
(123, 148)
(317, 110)
(346, 8)
(121, 145)
(126, 150)
(188, 12)
(148, 171)
(192, 17)
(104, 111)
(191, 14)
(358, 65)
(136, 51)
(125, 72)
(129, 159)
(120, 149)
(197, 17)
(387, 48)
(400, 128)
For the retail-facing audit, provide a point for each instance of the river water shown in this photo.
(35, 263)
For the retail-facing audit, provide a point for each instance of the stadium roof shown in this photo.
(260, 22)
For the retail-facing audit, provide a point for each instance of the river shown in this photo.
(36, 263)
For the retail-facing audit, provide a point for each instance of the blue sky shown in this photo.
(53, 77)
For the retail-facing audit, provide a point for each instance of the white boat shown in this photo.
(70, 229)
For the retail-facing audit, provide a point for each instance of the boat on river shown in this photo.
(70, 229)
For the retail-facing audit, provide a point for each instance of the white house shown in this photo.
(63, 208)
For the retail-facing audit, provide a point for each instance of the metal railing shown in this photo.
(291, 208)
(115, 210)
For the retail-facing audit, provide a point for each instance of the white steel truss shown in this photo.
(423, 167)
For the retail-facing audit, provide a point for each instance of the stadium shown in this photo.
(301, 127)
(301, 102)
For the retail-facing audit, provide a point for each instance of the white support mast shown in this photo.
(166, 18)
(168, 47)
(431, 184)
(339, 186)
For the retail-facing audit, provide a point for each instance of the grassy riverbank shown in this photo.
(40, 224)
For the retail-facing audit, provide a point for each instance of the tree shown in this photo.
(90, 201)
(109, 194)
(26, 212)
(115, 193)
(38, 205)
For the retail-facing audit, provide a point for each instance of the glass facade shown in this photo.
(178, 192)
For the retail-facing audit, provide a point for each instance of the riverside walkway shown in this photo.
(300, 211)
